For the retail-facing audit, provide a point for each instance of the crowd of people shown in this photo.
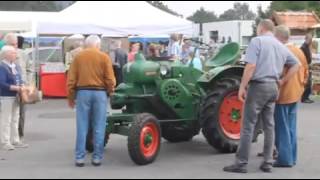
(275, 79)
(178, 49)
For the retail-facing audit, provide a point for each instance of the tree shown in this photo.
(228, 15)
(289, 5)
(203, 16)
(260, 16)
(239, 12)
(162, 6)
(34, 5)
(296, 6)
(315, 6)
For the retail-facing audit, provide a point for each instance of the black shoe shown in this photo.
(266, 167)
(307, 101)
(96, 163)
(80, 165)
(260, 154)
(236, 169)
(275, 155)
(277, 165)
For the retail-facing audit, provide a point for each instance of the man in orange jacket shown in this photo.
(287, 105)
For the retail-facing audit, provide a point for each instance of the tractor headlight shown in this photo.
(164, 70)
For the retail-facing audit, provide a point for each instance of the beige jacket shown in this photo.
(70, 56)
(27, 67)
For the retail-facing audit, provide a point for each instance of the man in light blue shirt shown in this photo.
(265, 58)
(269, 56)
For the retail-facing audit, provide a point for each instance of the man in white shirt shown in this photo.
(174, 51)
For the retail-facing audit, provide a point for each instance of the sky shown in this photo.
(187, 8)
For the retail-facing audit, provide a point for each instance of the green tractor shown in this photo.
(165, 99)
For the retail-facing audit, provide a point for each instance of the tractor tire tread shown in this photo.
(209, 116)
(134, 139)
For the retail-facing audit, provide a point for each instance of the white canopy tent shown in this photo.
(17, 21)
(15, 26)
(110, 18)
(32, 23)
(114, 18)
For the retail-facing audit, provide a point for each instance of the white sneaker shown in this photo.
(20, 145)
(8, 147)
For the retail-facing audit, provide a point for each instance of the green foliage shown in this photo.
(34, 5)
(296, 6)
(289, 5)
(260, 16)
(162, 6)
(239, 12)
(203, 16)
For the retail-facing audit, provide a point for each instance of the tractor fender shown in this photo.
(220, 72)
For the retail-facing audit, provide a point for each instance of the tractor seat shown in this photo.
(227, 55)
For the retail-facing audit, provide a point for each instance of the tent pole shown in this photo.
(37, 60)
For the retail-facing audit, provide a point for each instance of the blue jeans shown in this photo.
(286, 133)
(91, 108)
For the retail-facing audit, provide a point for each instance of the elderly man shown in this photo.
(10, 85)
(27, 71)
(287, 105)
(90, 78)
(266, 58)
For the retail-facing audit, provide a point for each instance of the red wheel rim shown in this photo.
(231, 116)
(149, 140)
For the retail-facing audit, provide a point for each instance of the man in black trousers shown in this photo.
(307, 52)
(119, 58)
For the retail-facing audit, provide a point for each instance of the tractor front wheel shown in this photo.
(222, 115)
(144, 139)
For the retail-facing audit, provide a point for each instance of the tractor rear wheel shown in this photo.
(175, 134)
(221, 113)
(144, 139)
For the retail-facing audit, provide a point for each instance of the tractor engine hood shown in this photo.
(141, 71)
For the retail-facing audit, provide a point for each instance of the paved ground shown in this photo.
(50, 132)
